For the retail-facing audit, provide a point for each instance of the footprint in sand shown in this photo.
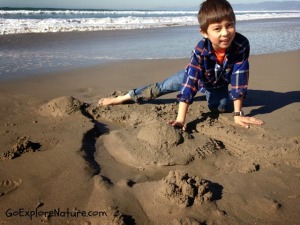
(7, 186)
(86, 92)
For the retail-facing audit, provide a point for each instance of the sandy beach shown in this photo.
(66, 160)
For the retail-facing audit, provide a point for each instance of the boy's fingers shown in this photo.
(241, 123)
(256, 121)
(171, 122)
(181, 126)
(252, 120)
(177, 125)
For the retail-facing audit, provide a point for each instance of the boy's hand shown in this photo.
(244, 121)
(177, 124)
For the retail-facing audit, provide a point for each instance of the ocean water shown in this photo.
(61, 20)
(35, 41)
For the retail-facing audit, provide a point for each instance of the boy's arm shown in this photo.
(180, 120)
(238, 104)
(239, 86)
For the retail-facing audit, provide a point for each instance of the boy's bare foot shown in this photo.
(107, 101)
(114, 100)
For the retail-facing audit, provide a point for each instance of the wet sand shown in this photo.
(124, 165)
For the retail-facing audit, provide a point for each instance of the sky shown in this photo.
(114, 4)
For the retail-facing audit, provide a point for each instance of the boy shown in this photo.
(220, 59)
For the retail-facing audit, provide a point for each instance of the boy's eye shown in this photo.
(230, 24)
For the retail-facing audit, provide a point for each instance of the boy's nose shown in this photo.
(224, 32)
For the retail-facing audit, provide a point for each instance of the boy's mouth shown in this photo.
(227, 41)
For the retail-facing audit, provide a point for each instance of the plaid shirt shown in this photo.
(203, 71)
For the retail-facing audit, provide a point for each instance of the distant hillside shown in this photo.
(289, 5)
(266, 5)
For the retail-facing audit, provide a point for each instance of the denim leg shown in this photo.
(152, 91)
(217, 99)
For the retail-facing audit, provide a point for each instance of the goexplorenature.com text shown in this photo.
(67, 213)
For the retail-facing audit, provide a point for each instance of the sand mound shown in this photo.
(157, 143)
(185, 190)
(62, 106)
(160, 136)
(22, 146)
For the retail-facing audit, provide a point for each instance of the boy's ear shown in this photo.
(204, 34)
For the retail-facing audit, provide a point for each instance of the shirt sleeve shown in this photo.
(190, 82)
(240, 73)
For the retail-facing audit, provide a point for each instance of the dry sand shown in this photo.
(59, 150)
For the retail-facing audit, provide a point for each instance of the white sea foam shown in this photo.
(96, 12)
(42, 21)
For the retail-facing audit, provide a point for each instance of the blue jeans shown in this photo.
(217, 98)
(152, 91)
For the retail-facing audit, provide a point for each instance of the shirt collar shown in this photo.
(209, 51)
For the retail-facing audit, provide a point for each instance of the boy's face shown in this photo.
(220, 34)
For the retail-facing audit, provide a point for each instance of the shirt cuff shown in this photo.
(185, 98)
(237, 95)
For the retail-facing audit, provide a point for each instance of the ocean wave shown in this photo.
(12, 26)
(94, 12)
(267, 15)
(130, 21)
(127, 12)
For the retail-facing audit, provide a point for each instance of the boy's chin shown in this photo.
(224, 45)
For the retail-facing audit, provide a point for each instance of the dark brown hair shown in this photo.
(214, 11)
